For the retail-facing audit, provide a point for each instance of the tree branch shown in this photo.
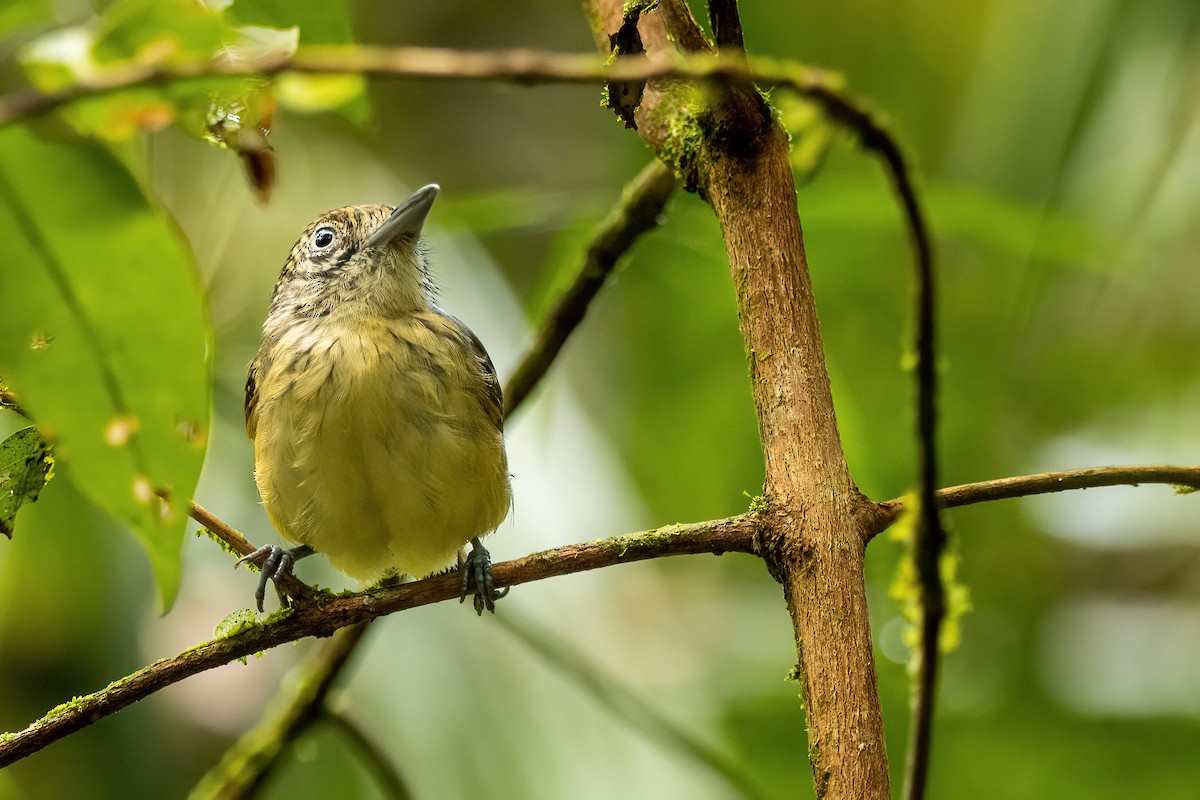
(1184, 479)
(528, 67)
(682, 26)
(813, 519)
(726, 24)
(1048, 482)
(930, 539)
(227, 535)
(290, 585)
(641, 205)
(324, 614)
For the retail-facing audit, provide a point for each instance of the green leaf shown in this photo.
(233, 624)
(811, 133)
(222, 110)
(25, 464)
(105, 336)
(157, 30)
(318, 23)
(309, 94)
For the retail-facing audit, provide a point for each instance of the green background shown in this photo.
(1058, 149)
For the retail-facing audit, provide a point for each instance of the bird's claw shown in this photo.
(274, 564)
(477, 579)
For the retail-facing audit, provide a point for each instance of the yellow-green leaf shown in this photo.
(312, 93)
(105, 335)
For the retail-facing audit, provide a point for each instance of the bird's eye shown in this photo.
(324, 238)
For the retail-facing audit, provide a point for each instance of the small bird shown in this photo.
(377, 418)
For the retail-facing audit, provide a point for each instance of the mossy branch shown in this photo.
(639, 211)
(324, 614)
(525, 67)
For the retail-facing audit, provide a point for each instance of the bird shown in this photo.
(377, 418)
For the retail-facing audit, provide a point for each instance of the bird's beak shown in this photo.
(407, 219)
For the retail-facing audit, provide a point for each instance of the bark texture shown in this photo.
(814, 523)
(813, 532)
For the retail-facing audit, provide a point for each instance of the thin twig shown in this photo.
(243, 769)
(683, 28)
(930, 539)
(1185, 480)
(326, 613)
(290, 585)
(10, 400)
(231, 538)
(641, 205)
(527, 67)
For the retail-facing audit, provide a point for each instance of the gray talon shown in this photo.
(274, 564)
(477, 579)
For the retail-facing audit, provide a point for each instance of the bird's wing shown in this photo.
(251, 398)
(491, 396)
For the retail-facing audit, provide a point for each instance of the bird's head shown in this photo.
(359, 260)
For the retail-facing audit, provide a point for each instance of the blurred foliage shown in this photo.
(22, 14)
(1056, 145)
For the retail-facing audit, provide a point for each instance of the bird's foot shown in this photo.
(477, 579)
(274, 564)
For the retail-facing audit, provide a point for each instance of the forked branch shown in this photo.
(328, 613)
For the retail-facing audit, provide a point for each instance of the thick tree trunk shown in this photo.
(814, 522)
(814, 529)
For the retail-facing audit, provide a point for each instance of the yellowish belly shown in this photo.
(385, 465)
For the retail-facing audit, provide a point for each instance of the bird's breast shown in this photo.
(373, 448)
